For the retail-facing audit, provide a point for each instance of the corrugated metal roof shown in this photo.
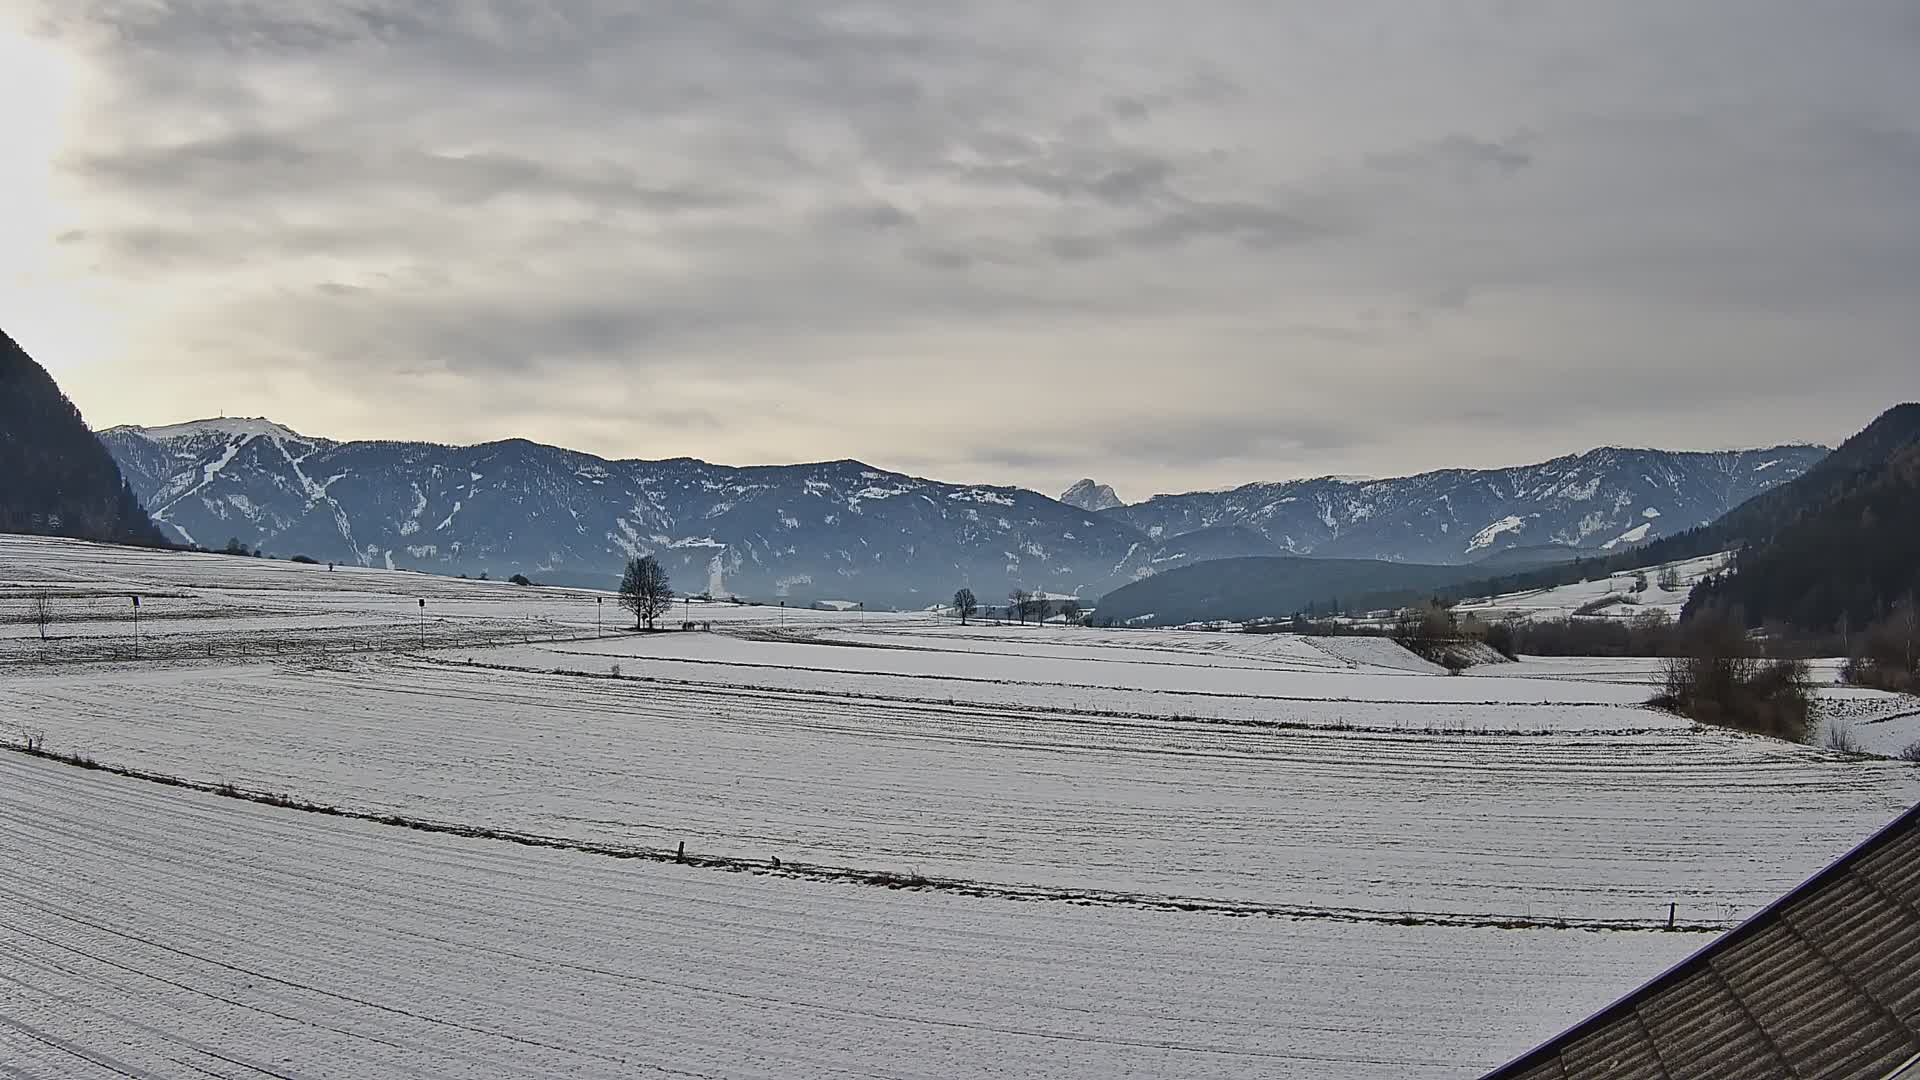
(1824, 983)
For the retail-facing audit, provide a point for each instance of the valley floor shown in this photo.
(915, 849)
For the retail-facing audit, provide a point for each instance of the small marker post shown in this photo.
(1672, 910)
(136, 626)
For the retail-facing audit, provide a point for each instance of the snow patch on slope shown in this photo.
(1485, 537)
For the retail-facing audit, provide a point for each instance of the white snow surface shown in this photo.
(1487, 853)
(1563, 601)
(158, 929)
(1485, 537)
(239, 428)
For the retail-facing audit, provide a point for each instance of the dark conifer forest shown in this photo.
(56, 479)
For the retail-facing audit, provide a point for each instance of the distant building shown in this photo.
(1824, 983)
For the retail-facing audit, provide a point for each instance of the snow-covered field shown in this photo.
(1591, 597)
(154, 932)
(1875, 721)
(1142, 853)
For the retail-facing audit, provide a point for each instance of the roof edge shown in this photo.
(1753, 925)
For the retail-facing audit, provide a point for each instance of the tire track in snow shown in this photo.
(890, 878)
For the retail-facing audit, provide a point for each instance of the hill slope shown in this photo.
(56, 479)
(1254, 588)
(1602, 500)
(1753, 524)
(1848, 548)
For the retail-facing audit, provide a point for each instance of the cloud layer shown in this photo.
(1168, 247)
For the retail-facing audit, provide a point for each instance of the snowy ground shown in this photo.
(1564, 601)
(1481, 854)
(1875, 721)
(153, 932)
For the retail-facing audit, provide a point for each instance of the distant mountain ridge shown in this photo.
(827, 530)
(1604, 499)
(56, 479)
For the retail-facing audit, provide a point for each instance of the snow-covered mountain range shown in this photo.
(830, 530)
(836, 530)
(1604, 499)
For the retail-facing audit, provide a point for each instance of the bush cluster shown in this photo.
(1719, 678)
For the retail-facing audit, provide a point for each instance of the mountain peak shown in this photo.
(1091, 497)
(242, 427)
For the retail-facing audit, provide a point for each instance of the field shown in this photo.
(333, 839)
(1608, 597)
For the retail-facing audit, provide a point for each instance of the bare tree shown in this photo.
(1669, 580)
(1019, 603)
(41, 611)
(1070, 610)
(645, 590)
(965, 605)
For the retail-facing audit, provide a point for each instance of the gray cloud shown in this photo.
(1281, 239)
(1458, 156)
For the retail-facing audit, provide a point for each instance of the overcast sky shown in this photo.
(1165, 245)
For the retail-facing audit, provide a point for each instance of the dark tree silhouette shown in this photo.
(966, 605)
(645, 590)
(1019, 603)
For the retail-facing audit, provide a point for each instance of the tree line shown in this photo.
(1022, 606)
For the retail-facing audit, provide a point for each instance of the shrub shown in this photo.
(1595, 607)
(1719, 679)
(1427, 630)
(1887, 656)
(1840, 737)
(1868, 672)
(305, 560)
(520, 579)
(1911, 753)
(1503, 637)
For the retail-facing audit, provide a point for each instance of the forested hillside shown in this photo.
(56, 479)
(1755, 525)
(1846, 562)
